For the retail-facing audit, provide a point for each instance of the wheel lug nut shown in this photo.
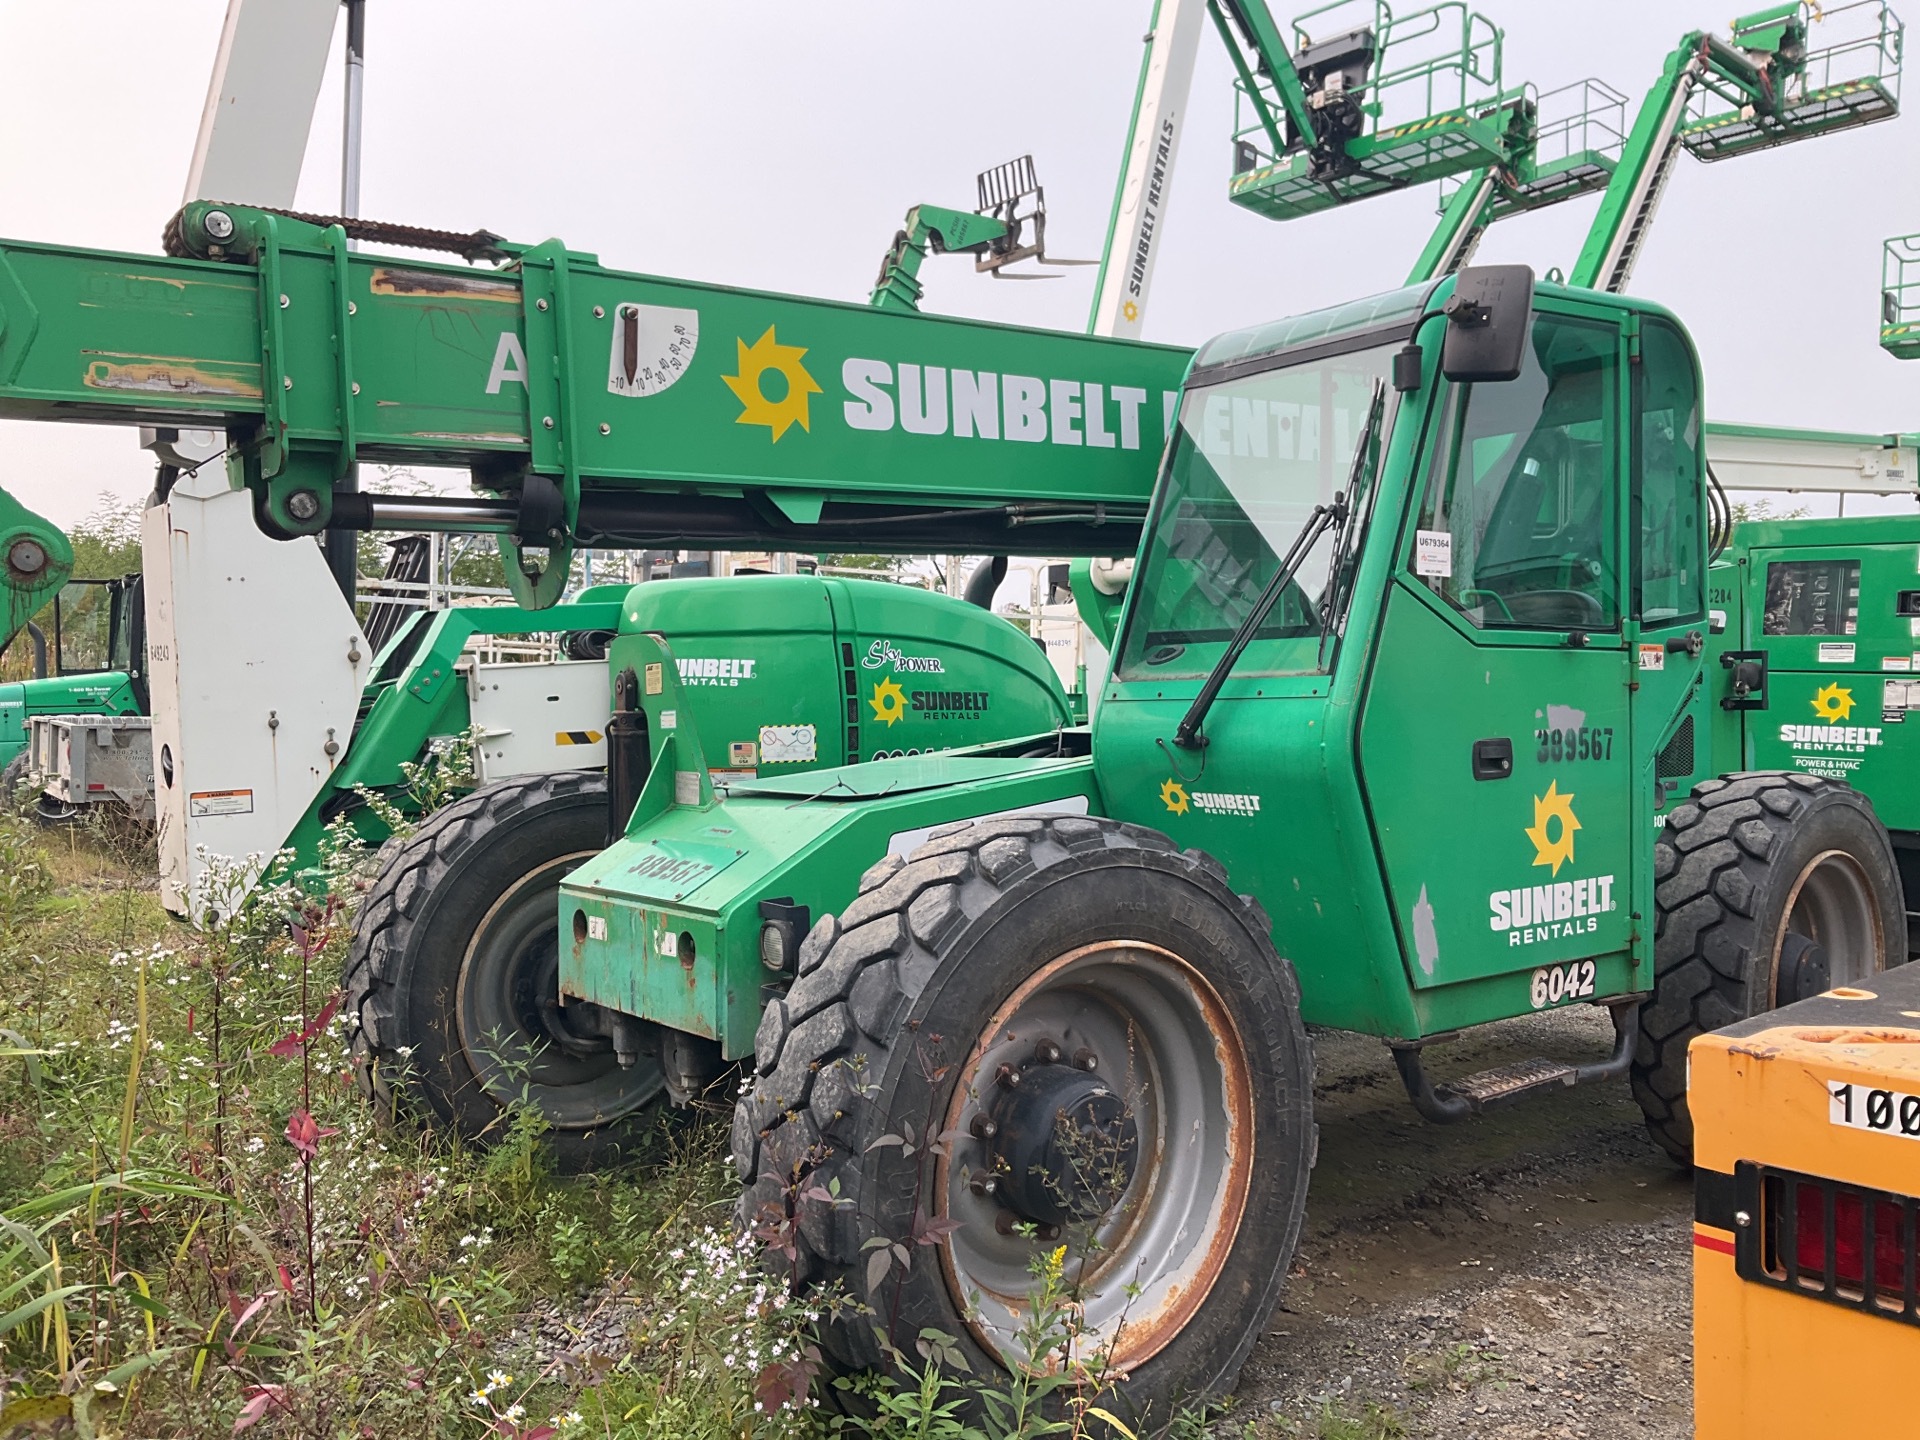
(1047, 1053)
(1006, 1222)
(982, 1127)
(984, 1185)
(1085, 1060)
(1049, 1232)
(1006, 1077)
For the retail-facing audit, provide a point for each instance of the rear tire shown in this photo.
(451, 988)
(1758, 878)
(998, 944)
(13, 782)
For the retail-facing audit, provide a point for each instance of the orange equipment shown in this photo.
(1806, 1321)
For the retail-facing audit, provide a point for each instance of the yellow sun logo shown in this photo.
(1833, 704)
(1174, 797)
(1131, 311)
(889, 701)
(756, 408)
(1549, 807)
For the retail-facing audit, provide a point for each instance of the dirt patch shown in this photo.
(1524, 1274)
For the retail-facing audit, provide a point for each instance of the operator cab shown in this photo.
(1476, 683)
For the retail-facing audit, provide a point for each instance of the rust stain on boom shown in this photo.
(440, 285)
(170, 375)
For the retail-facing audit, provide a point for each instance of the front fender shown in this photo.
(665, 924)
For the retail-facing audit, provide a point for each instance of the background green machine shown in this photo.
(93, 663)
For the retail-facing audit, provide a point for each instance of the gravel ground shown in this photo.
(1524, 1274)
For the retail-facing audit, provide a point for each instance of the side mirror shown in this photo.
(1489, 321)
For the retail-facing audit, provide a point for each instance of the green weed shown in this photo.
(204, 1231)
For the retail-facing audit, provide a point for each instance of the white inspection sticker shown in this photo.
(1433, 553)
(1836, 652)
(787, 745)
(220, 802)
(1886, 1112)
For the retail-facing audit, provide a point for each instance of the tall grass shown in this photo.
(204, 1232)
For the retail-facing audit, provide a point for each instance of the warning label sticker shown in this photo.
(202, 803)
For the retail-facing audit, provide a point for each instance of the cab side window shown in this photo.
(1669, 481)
(1518, 529)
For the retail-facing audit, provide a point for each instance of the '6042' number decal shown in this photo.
(1888, 1112)
(1556, 983)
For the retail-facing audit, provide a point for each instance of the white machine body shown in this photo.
(1146, 181)
(256, 665)
(266, 78)
(77, 760)
(1764, 457)
(540, 717)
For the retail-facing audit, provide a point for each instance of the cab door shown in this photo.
(1667, 601)
(1494, 743)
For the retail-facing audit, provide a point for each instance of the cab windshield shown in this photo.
(1251, 458)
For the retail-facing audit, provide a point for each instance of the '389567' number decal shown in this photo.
(1555, 983)
(1583, 742)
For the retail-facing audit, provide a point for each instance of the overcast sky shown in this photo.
(778, 145)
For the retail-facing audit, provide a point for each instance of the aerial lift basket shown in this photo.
(1579, 131)
(1398, 101)
(1900, 297)
(1806, 1313)
(1852, 79)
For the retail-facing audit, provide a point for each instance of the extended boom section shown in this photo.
(591, 406)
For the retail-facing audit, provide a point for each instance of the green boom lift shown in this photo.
(1767, 84)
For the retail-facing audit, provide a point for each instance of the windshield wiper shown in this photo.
(1324, 518)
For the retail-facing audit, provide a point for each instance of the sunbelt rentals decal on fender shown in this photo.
(1179, 800)
(1833, 747)
(1530, 913)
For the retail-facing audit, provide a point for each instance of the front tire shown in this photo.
(451, 980)
(1770, 886)
(1140, 1000)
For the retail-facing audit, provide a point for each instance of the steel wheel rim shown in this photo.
(504, 1033)
(1831, 904)
(1173, 1053)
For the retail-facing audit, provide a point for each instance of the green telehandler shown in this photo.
(1411, 727)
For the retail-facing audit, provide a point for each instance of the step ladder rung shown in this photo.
(1509, 1082)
